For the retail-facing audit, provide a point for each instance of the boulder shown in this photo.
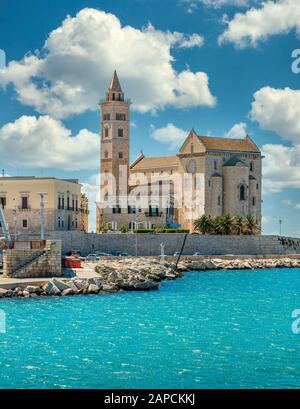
(51, 289)
(93, 289)
(108, 288)
(60, 285)
(3, 292)
(68, 291)
(146, 286)
(96, 281)
(33, 289)
(26, 294)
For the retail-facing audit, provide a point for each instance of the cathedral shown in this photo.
(209, 175)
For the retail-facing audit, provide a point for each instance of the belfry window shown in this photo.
(242, 192)
(120, 117)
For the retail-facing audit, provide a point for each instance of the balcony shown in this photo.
(24, 208)
(153, 214)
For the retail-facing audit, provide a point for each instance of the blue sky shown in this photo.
(184, 64)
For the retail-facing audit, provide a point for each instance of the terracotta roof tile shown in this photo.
(157, 162)
(228, 144)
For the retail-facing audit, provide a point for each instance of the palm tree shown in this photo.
(218, 225)
(239, 225)
(204, 224)
(227, 224)
(251, 226)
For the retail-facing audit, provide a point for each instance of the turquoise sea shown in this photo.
(224, 329)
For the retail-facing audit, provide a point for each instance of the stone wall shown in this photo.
(149, 244)
(33, 263)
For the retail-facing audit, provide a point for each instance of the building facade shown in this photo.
(209, 175)
(65, 208)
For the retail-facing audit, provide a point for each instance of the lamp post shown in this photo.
(280, 227)
(42, 214)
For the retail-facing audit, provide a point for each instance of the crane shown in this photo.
(5, 231)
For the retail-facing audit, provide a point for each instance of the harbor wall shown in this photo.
(148, 244)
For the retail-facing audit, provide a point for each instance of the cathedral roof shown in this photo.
(235, 162)
(157, 162)
(228, 144)
(115, 83)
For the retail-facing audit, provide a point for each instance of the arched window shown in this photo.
(242, 192)
(106, 132)
(132, 225)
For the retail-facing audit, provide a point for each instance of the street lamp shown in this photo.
(280, 225)
(42, 214)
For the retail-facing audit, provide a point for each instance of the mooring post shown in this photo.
(182, 247)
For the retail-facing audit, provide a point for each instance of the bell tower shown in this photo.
(115, 139)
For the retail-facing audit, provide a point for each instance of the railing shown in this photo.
(153, 214)
(128, 101)
(23, 208)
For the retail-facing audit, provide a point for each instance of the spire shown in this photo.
(115, 83)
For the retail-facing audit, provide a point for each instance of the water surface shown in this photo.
(224, 329)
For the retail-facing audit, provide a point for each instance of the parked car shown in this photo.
(176, 254)
(92, 257)
(100, 254)
(197, 253)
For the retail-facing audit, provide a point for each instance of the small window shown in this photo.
(120, 117)
(242, 192)
(24, 223)
(105, 154)
(192, 148)
(58, 222)
(215, 165)
(106, 132)
(3, 201)
(209, 183)
(253, 201)
(24, 202)
(120, 132)
(219, 200)
(62, 223)
(120, 155)
(257, 186)
(251, 166)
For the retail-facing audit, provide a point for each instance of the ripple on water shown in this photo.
(218, 330)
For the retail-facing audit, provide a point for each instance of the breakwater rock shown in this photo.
(141, 274)
(238, 264)
(110, 276)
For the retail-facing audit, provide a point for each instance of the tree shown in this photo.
(204, 224)
(226, 224)
(239, 225)
(251, 227)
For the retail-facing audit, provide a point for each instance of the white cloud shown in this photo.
(193, 4)
(194, 40)
(44, 142)
(91, 187)
(170, 135)
(75, 66)
(238, 131)
(292, 204)
(258, 24)
(280, 168)
(278, 110)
